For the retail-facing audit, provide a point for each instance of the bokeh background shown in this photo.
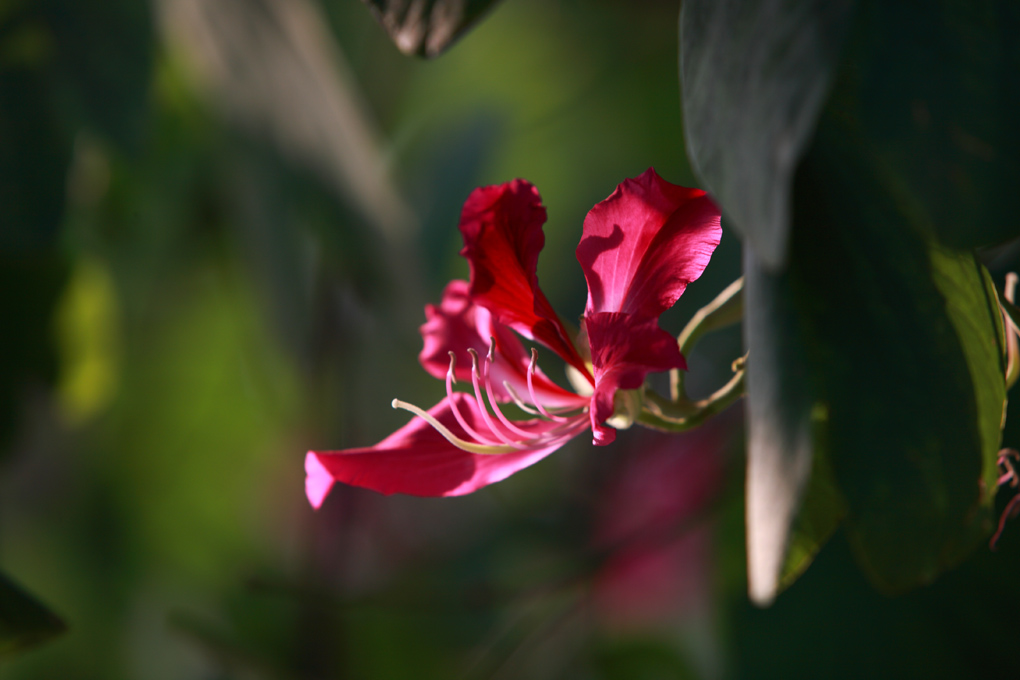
(220, 223)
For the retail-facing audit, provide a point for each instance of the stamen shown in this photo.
(481, 402)
(492, 400)
(1012, 510)
(531, 389)
(1008, 477)
(450, 380)
(470, 447)
(517, 399)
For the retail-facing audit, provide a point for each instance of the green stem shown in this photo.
(726, 309)
(668, 416)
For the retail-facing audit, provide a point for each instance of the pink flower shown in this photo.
(655, 529)
(639, 249)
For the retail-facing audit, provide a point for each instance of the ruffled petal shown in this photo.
(502, 230)
(644, 244)
(417, 460)
(624, 349)
(457, 325)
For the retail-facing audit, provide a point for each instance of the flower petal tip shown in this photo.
(318, 481)
(602, 435)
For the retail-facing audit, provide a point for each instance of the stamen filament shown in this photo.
(450, 380)
(481, 402)
(517, 399)
(495, 405)
(531, 389)
(480, 449)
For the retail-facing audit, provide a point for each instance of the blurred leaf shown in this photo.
(64, 63)
(87, 325)
(34, 154)
(641, 659)
(228, 652)
(427, 27)
(103, 59)
(30, 286)
(24, 622)
(755, 75)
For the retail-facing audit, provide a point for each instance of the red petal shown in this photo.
(624, 349)
(502, 230)
(645, 243)
(457, 324)
(418, 461)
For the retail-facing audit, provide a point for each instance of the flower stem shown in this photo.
(668, 416)
(726, 309)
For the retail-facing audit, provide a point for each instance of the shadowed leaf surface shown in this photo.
(755, 75)
(929, 93)
(23, 620)
(856, 145)
(905, 364)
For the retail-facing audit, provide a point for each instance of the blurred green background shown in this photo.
(220, 221)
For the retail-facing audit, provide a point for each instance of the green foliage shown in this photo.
(30, 286)
(65, 65)
(821, 511)
(755, 75)
(101, 64)
(928, 93)
(898, 350)
(856, 148)
(220, 307)
(24, 622)
(34, 155)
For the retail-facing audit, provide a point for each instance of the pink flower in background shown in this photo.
(654, 528)
(639, 249)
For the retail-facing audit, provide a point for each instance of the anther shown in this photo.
(451, 373)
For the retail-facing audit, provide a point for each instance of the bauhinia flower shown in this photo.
(639, 249)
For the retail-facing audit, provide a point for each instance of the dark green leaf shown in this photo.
(755, 74)
(427, 27)
(899, 338)
(930, 92)
(820, 513)
(904, 349)
(24, 622)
